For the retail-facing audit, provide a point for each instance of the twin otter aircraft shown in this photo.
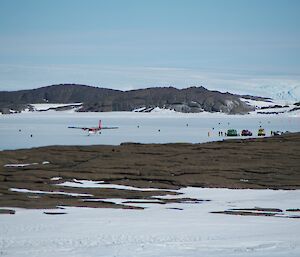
(94, 130)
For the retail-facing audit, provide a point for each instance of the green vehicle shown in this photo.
(232, 133)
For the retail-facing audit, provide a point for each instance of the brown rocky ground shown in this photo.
(250, 163)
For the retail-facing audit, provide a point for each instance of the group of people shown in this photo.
(220, 134)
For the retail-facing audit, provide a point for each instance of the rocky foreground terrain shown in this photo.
(252, 163)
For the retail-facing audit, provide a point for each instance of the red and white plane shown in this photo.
(94, 130)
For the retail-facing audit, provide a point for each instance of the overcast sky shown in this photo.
(220, 44)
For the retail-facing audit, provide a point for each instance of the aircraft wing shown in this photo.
(83, 128)
(109, 127)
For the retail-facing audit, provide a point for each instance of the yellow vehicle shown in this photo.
(261, 132)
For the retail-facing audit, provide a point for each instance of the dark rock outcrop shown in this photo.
(193, 99)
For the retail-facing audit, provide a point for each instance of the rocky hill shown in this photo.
(94, 99)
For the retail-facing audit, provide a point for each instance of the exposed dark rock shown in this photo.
(295, 109)
(276, 106)
(193, 99)
(266, 163)
(293, 210)
(257, 98)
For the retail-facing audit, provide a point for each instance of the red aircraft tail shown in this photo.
(100, 126)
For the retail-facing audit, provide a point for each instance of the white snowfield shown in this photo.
(173, 229)
(289, 93)
(258, 104)
(101, 184)
(56, 178)
(160, 230)
(48, 106)
(266, 107)
(22, 165)
(19, 165)
(35, 129)
(24, 190)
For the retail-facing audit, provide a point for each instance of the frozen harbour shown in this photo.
(51, 127)
(172, 229)
(159, 230)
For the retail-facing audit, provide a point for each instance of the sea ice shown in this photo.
(27, 130)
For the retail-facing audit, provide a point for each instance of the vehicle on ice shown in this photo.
(261, 132)
(246, 132)
(232, 133)
(276, 133)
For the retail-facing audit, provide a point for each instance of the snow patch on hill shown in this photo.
(257, 104)
(154, 110)
(273, 107)
(52, 106)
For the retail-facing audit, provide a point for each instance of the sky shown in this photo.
(219, 44)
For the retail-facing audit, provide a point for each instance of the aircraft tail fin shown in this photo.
(100, 124)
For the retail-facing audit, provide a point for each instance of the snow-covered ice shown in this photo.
(51, 128)
(160, 230)
(172, 229)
